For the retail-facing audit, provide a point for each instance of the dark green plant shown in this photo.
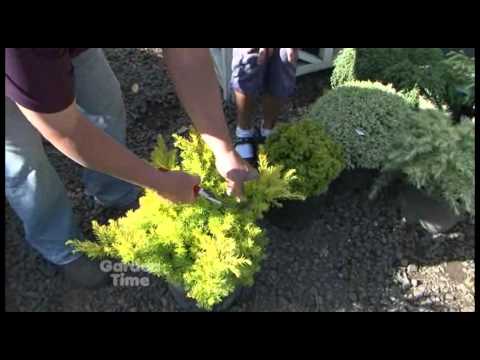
(364, 118)
(430, 80)
(306, 147)
(364, 63)
(460, 91)
(424, 56)
(437, 157)
(406, 68)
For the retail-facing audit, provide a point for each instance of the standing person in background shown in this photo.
(269, 73)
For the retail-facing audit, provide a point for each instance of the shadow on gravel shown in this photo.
(350, 258)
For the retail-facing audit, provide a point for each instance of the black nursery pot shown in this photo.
(296, 215)
(356, 180)
(467, 111)
(187, 304)
(433, 215)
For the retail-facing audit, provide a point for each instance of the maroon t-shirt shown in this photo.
(40, 79)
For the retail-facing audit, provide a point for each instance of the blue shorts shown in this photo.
(277, 77)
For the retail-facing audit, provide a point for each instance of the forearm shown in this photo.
(196, 84)
(73, 135)
(98, 151)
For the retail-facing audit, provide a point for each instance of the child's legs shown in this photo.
(248, 78)
(272, 107)
(245, 107)
(281, 84)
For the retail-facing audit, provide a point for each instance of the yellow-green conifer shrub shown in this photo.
(207, 249)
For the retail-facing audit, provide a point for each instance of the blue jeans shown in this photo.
(33, 187)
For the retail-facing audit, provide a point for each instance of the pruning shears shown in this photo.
(199, 191)
(205, 194)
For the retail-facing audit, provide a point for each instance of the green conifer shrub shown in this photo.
(364, 118)
(460, 92)
(406, 69)
(305, 146)
(437, 157)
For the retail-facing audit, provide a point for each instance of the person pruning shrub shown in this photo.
(71, 97)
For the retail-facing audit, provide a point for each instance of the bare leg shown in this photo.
(245, 108)
(272, 107)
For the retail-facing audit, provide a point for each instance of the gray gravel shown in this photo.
(355, 256)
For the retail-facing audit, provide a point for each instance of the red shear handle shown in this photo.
(196, 190)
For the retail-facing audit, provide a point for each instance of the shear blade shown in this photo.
(209, 197)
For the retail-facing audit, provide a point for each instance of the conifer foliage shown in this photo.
(437, 157)
(208, 250)
(305, 146)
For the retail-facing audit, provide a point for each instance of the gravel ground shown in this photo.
(355, 256)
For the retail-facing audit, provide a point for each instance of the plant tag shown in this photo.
(360, 132)
(135, 88)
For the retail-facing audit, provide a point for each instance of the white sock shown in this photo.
(241, 133)
(266, 132)
(245, 150)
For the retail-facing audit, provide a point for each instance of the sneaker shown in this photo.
(246, 148)
(260, 140)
